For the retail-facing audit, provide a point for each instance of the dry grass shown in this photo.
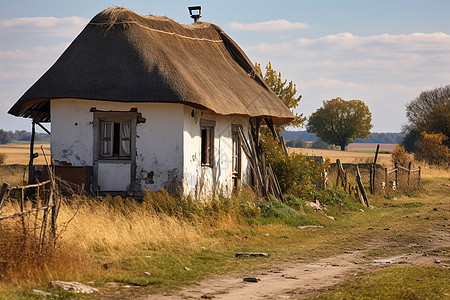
(20, 153)
(109, 230)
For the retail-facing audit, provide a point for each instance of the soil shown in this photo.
(300, 280)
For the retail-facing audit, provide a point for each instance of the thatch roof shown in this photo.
(125, 57)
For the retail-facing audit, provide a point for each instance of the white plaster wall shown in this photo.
(72, 132)
(203, 182)
(120, 181)
(158, 141)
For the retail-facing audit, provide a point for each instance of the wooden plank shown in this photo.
(253, 164)
(257, 167)
(43, 128)
(24, 213)
(361, 187)
(3, 194)
(18, 187)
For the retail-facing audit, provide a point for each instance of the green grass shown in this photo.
(412, 282)
(368, 150)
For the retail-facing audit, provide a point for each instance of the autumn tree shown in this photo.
(285, 90)
(432, 149)
(339, 121)
(430, 113)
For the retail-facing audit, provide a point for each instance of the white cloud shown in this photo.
(387, 71)
(44, 26)
(28, 64)
(268, 26)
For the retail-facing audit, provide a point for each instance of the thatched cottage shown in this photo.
(143, 102)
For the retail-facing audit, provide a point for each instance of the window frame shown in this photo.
(113, 117)
(207, 142)
(236, 158)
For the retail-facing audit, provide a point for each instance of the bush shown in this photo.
(433, 150)
(295, 172)
(300, 143)
(319, 144)
(399, 155)
(2, 158)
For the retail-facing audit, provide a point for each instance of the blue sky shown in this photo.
(382, 52)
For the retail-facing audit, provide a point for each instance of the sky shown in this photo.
(382, 52)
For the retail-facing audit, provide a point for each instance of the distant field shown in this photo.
(344, 156)
(20, 153)
(386, 147)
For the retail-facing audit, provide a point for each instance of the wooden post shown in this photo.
(420, 172)
(22, 199)
(396, 175)
(30, 163)
(386, 183)
(341, 174)
(361, 187)
(338, 172)
(374, 170)
(3, 193)
(409, 173)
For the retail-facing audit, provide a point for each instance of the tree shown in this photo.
(284, 90)
(4, 137)
(430, 113)
(432, 149)
(339, 122)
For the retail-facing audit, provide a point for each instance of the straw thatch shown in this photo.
(122, 56)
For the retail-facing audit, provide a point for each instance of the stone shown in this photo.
(72, 286)
(251, 279)
(309, 226)
(250, 254)
(41, 293)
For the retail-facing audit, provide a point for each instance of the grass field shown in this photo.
(20, 153)
(152, 247)
(371, 146)
(345, 156)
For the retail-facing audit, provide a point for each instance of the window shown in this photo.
(115, 134)
(207, 136)
(116, 139)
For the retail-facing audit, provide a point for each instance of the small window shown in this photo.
(207, 135)
(116, 139)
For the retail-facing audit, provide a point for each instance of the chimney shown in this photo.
(195, 12)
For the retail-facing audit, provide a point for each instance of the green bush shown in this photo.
(296, 173)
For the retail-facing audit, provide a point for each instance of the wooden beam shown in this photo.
(30, 163)
(3, 193)
(43, 128)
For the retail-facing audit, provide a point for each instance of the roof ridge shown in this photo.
(158, 30)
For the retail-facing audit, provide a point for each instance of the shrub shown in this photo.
(2, 158)
(296, 173)
(319, 144)
(433, 150)
(299, 143)
(399, 155)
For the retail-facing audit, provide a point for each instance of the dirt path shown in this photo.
(302, 280)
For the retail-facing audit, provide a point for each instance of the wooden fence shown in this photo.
(380, 181)
(42, 201)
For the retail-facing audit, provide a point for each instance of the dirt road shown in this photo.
(305, 279)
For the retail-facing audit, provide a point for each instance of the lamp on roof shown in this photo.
(195, 12)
